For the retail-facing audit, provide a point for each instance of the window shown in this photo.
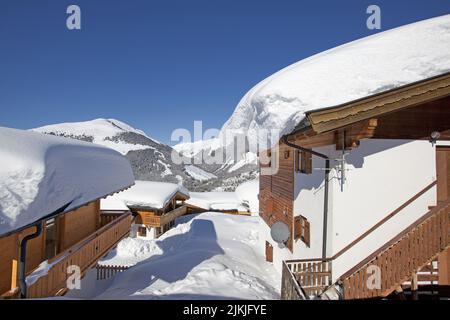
(142, 231)
(51, 238)
(302, 229)
(303, 162)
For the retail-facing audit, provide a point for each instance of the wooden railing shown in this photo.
(84, 254)
(290, 289)
(313, 275)
(402, 257)
(109, 216)
(107, 271)
(152, 220)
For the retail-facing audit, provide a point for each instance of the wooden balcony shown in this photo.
(84, 254)
(311, 278)
(153, 220)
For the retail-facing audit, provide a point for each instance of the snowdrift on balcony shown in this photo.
(40, 174)
(352, 71)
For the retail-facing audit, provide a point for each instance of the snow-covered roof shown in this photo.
(216, 200)
(111, 203)
(349, 72)
(248, 192)
(40, 174)
(150, 194)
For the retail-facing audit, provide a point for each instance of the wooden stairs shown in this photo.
(407, 259)
(403, 257)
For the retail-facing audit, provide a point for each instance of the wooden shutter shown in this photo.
(297, 227)
(302, 229)
(269, 252)
(306, 162)
(306, 232)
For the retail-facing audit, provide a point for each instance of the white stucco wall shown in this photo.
(381, 175)
(151, 232)
(309, 203)
(280, 253)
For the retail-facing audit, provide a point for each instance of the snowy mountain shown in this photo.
(151, 160)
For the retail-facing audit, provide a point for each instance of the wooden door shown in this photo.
(269, 252)
(443, 193)
(443, 173)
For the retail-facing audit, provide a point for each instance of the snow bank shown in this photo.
(40, 174)
(355, 70)
(248, 195)
(150, 194)
(207, 256)
(100, 131)
(216, 200)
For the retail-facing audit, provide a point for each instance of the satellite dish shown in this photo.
(280, 232)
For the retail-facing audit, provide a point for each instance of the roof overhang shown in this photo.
(331, 118)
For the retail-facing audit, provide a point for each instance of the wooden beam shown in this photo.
(369, 107)
(348, 138)
(14, 274)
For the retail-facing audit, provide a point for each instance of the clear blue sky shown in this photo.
(160, 65)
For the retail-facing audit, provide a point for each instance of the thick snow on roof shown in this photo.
(355, 70)
(40, 174)
(216, 200)
(112, 204)
(150, 194)
(248, 192)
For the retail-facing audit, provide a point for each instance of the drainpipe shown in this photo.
(326, 187)
(23, 246)
(23, 257)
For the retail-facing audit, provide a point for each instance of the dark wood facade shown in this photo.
(276, 191)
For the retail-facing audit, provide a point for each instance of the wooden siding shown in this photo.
(9, 250)
(78, 224)
(276, 192)
(72, 228)
(84, 254)
(150, 219)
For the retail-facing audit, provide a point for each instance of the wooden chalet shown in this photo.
(36, 255)
(154, 205)
(364, 188)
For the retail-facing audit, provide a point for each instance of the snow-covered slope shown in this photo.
(152, 160)
(361, 68)
(199, 174)
(209, 256)
(39, 174)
